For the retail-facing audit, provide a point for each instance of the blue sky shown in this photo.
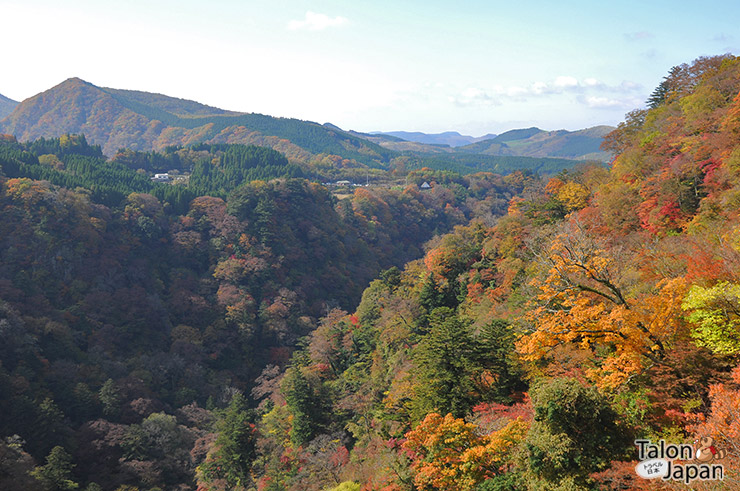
(471, 66)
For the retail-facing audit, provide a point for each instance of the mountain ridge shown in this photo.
(144, 121)
(6, 106)
(584, 144)
(533, 142)
(450, 138)
(117, 118)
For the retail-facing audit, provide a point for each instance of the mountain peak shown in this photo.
(73, 82)
(118, 118)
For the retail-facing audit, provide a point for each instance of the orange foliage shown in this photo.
(449, 454)
(582, 301)
(553, 185)
(723, 422)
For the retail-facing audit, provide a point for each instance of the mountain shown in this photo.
(398, 144)
(450, 138)
(143, 121)
(525, 142)
(533, 142)
(114, 118)
(6, 106)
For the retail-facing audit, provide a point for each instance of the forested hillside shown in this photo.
(514, 332)
(528, 142)
(531, 354)
(128, 322)
(534, 142)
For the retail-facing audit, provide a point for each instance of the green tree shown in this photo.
(110, 398)
(430, 297)
(308, 402)
(49, 428)
(446, 367)
(235, 448)
(57, 473)
(715, 311)
(501, 373)
(575, 433)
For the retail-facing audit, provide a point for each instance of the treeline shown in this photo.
(471, 163)
(238, 164)
(70, 162)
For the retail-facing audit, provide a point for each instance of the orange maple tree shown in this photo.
(449, 454)
(586, 298)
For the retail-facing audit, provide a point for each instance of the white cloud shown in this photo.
(602, 102)
(589, 91)
(566, 82)
(558, 86)
(316, 22)
(599, 102)
(539, 88)
(516, 91)
(473, 96)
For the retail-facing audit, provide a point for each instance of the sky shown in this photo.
(476, 67)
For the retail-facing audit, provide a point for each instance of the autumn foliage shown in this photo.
(521, 330)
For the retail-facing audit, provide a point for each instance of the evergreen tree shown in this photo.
(235, 448)
(446, 367)
(658, 95)
(57, 473)
(309, 405)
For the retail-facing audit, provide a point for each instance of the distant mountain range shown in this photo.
(115, 119)
(450, 138)
(529, 142)
(534, 142)
(6, 106)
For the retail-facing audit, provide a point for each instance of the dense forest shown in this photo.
(248, 329)
(139, 309)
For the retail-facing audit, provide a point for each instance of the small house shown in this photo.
(161, 177)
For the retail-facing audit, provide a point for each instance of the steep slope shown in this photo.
(116, 119)
(598, 287)
(6, 106)
(179, 107)
(75, 106)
